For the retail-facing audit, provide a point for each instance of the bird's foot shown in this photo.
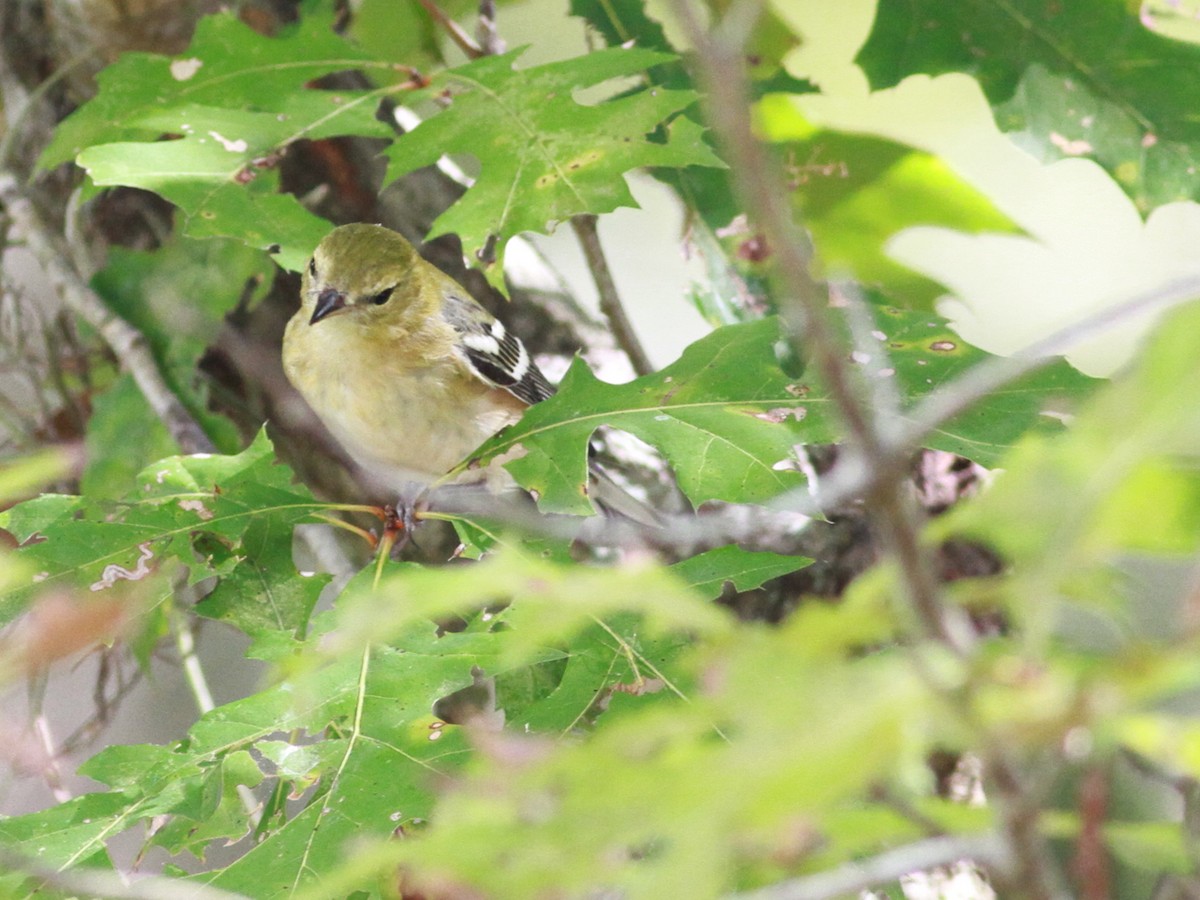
(399, 522)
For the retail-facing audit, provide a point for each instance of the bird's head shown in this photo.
(362, 270)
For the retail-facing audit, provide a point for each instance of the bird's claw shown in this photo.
(399, 521)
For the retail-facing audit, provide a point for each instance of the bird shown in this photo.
(406, 370)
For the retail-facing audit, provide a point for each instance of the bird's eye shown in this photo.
(312, 267)
(383, 296)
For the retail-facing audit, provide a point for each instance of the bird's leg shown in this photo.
(401, 518)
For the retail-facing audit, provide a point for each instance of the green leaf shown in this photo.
(543, 156)
(116, 453)
(1085, 78)
(265, 594)
(854, 192)
(721, 792)
(622, 21)
(546, 601)
(373, 773)
(708, 572)
(727, 417)
(231, 104)
(609, 662)
(71, 833)
(923, 354)
(26, 519)
(227, 65)
(1052, 116)
(106, 546)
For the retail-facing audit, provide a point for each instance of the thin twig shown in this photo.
(984, 379)
(487, 31)
(129, 344)
(193, 673)
(40, 726)
(50, 768)
(803, 301)
(986, 850)
(1032, 872)
(610, 300)
(452, 28)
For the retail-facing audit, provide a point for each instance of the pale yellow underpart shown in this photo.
(402, 420)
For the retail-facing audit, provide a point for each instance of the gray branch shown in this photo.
(986, 850)
(127, 343)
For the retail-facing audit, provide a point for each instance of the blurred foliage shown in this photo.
(1081, 78)
(552, 721)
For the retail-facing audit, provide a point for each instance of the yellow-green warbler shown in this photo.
(406, 370)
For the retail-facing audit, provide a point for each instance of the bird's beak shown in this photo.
(329, 301)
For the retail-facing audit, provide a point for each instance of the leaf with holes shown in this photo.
(1077, 77)
(544, 156)
(103, 548)
(228, 106)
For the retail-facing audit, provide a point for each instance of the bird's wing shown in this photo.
(499, 358)
(493, 354)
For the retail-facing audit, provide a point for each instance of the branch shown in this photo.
(487, 31)
(1032, 871)
(610, 300)
(452, 28)
(805, 308)
(852, 878)
(984, 379)
(953, 399)
(127, 343)
(803, 302)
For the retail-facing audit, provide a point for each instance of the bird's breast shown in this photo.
(401, 421)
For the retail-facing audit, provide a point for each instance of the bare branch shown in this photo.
(1032, 872)
(986, 850)
(610, 300)
(452, 28)
(129, 344)
(803, 301)
(960, 395)
(979, 382)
